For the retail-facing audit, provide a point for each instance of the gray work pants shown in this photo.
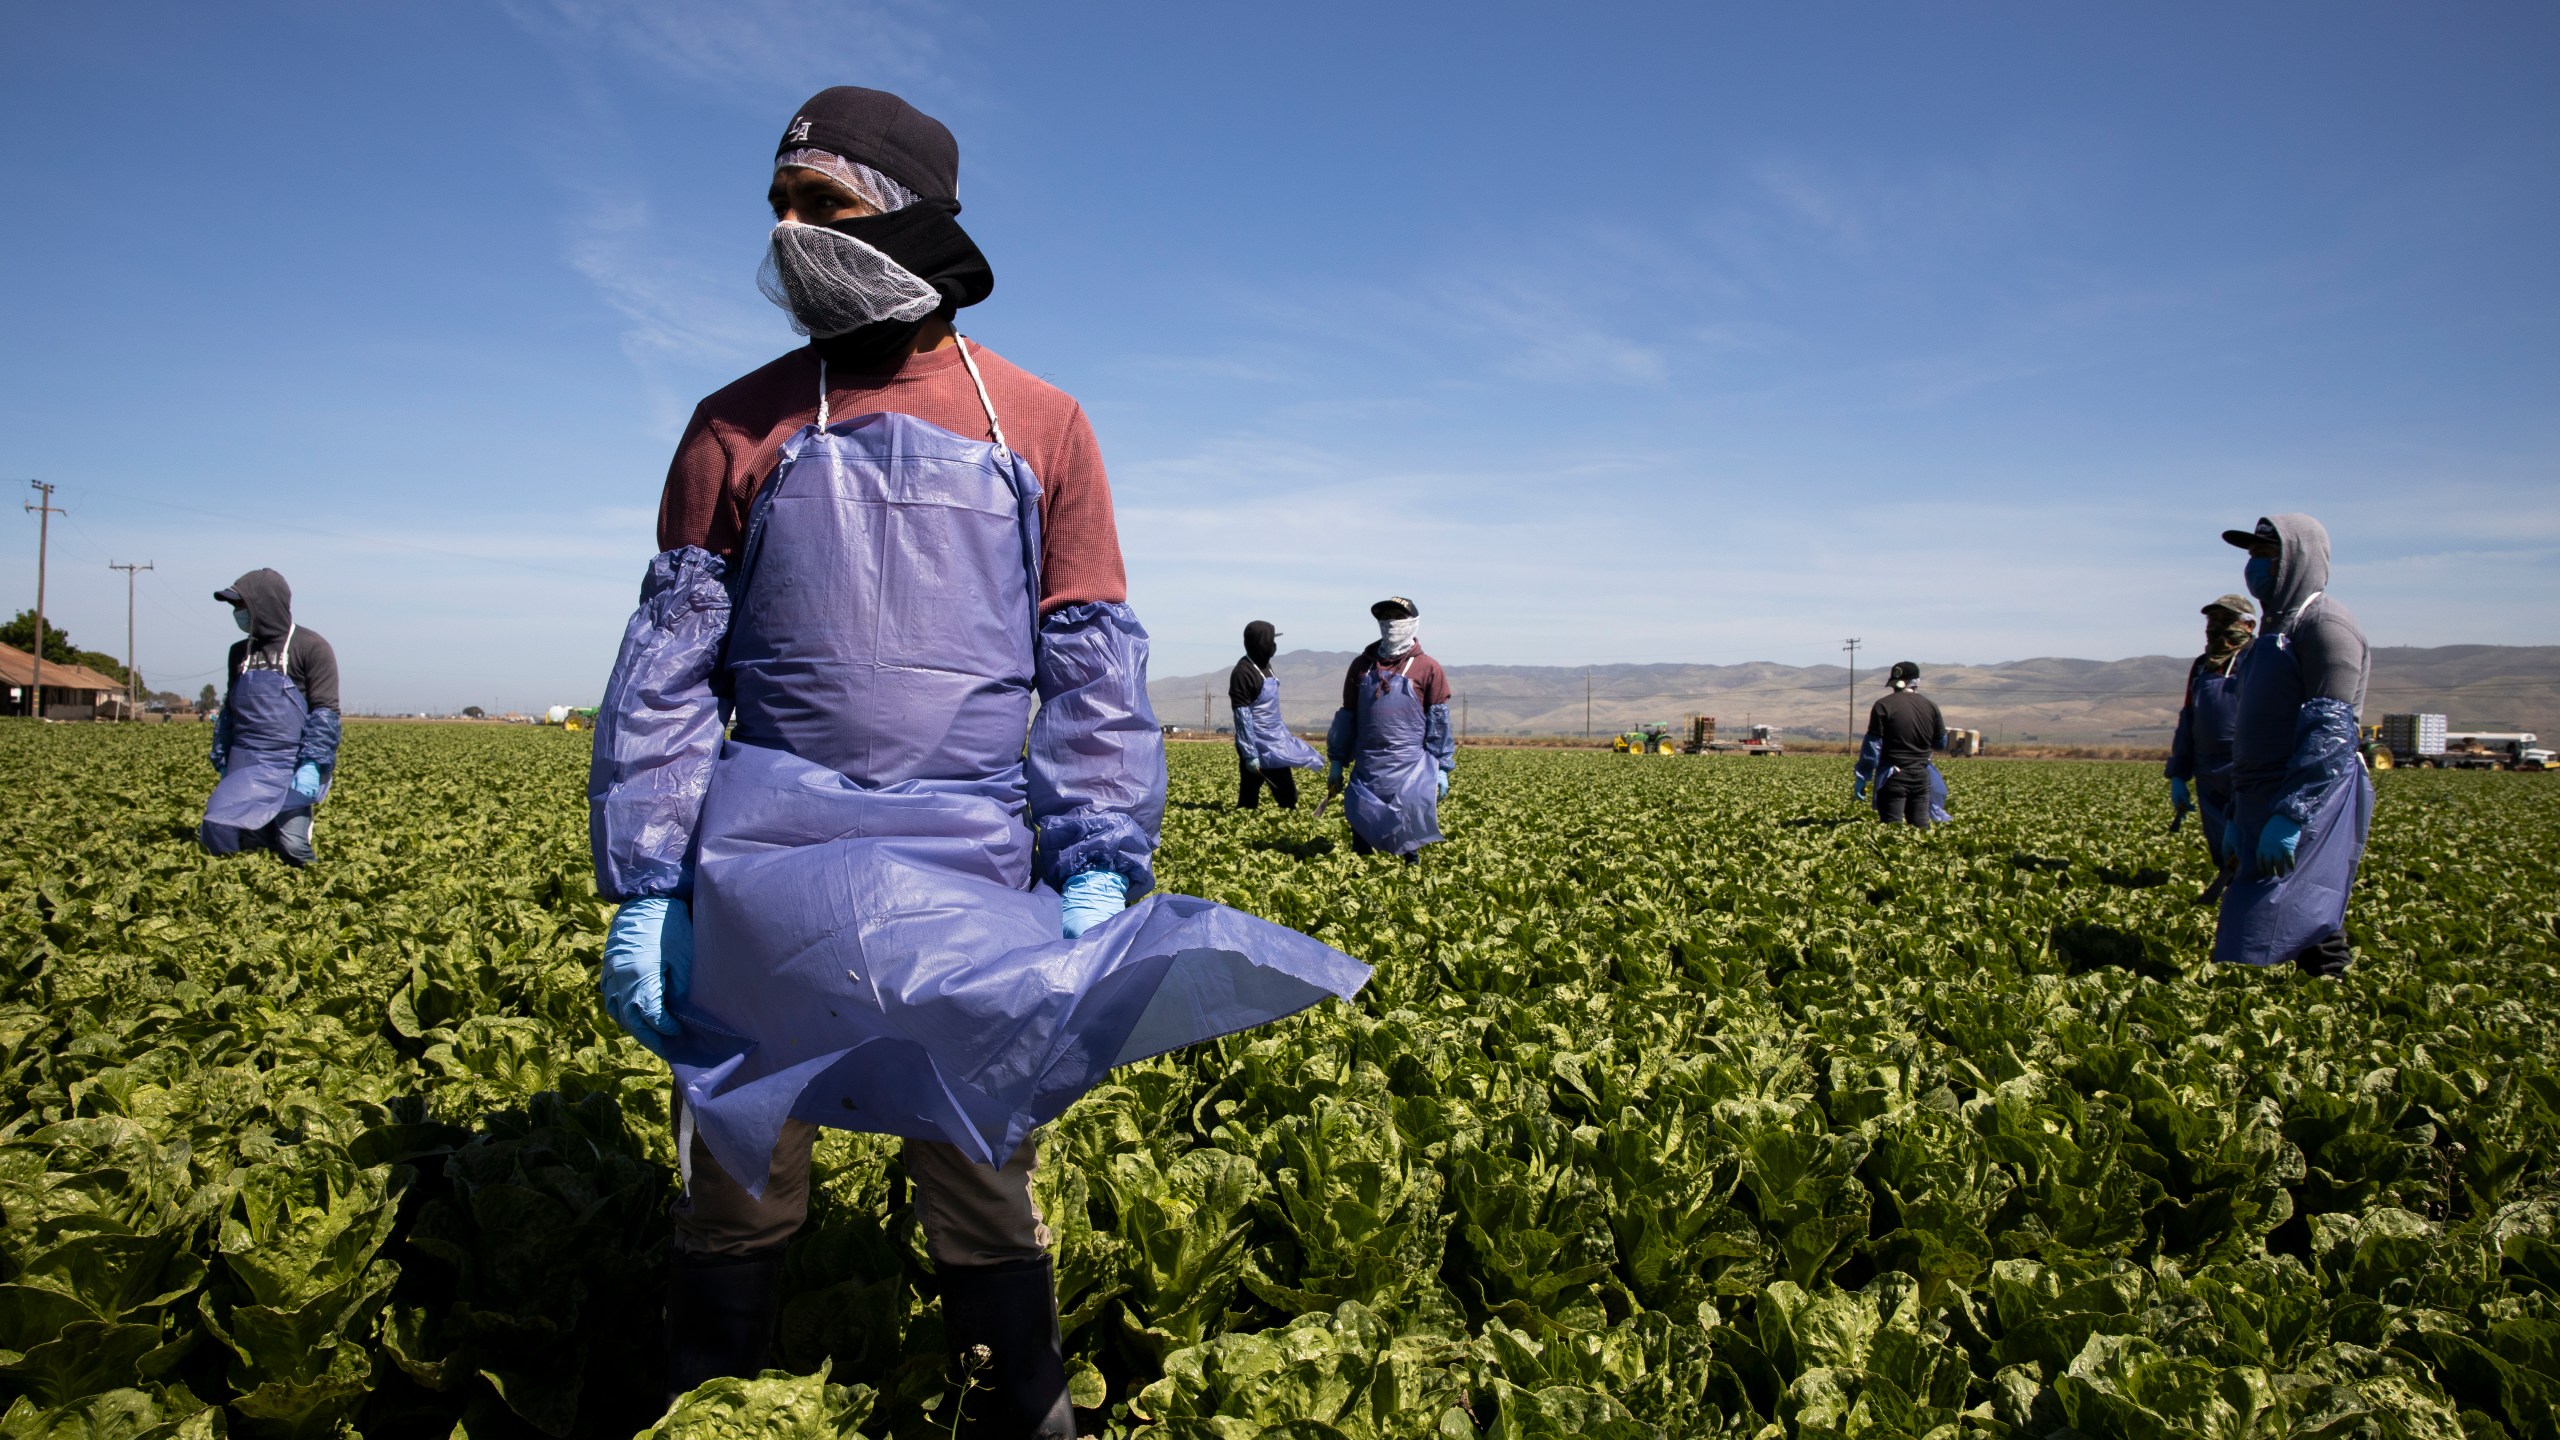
(289, 835)
(972, 1214)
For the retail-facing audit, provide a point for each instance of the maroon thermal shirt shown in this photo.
(1430, 683)
(735, 437)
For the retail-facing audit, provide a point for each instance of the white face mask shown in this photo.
(1397, 636)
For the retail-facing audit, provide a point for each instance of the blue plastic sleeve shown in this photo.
(1341, 736)
(2324, 757)
(2182, 746)
(1438, 738)
(658, 730)
(221, 755)
(1244, 732)
(319, 746)
(1096, 758)
(1870, 755)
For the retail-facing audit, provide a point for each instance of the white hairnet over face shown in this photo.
(877, 190)
(833, 284)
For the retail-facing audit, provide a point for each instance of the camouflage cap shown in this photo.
(2240, 605)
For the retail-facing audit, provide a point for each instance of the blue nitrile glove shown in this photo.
(2178, 793)
(2276, 842)
(1444, 784)
(306, 780)
(648, 961)
(1858, 788)
(2230, 841)
(1091, 898)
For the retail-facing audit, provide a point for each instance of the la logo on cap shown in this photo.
(799, 130)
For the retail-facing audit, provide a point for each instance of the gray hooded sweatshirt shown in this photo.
(311, 665)
(2327, 645)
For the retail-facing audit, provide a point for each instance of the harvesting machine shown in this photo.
(1758, 740)
(2423, 741)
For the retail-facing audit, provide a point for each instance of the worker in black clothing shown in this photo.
(1267, 753)
(1902, 729)
(2199, 767)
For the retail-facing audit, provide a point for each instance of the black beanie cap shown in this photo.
(876, 128)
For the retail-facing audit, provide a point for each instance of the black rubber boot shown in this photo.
(1002, 1325)
(720, 1314)
(2213, 892)
(2328, 959)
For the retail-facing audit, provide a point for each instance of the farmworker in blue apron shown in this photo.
(2199, 767)
(891, 897)
(2301, 802)
(1267, 752)
(1903, 728)
(275, 744)
(1392, 734)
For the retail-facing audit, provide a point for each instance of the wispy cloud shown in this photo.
(681, 313)
(751, 47)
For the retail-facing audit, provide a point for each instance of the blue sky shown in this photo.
(1642, 333)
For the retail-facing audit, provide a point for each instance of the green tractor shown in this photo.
(1648, 739)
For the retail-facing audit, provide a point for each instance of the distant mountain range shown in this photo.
(2056, 701)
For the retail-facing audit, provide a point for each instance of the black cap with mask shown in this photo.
(1904, 673)
(1261, 642)
(884, 132)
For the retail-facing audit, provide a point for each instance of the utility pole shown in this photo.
(1462, 717)
(1204, 710)
(1852, 647)
(44, 510)
(132, 677)
(1586, 704)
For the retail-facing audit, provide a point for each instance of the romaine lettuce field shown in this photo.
(1686, 1101)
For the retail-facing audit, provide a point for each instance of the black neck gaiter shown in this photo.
(927, 240)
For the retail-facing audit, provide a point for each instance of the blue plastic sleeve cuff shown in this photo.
(2324, 757)
(658, 730)
(1095, 766)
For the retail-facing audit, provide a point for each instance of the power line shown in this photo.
(265, 523)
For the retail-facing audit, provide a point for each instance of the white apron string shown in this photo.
(994, 426)
(684, 1136)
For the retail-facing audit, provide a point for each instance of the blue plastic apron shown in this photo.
(2267, 920)
(266, 711)
(870, 952)
(1271, 745)
(2217, 718)
(1393, 798)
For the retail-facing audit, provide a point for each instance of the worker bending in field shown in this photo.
(1267, 753)
(275, 744)
(1903, 729)
(2300, 800)
(1392, 734)
(2199, 768)
(891, 899)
